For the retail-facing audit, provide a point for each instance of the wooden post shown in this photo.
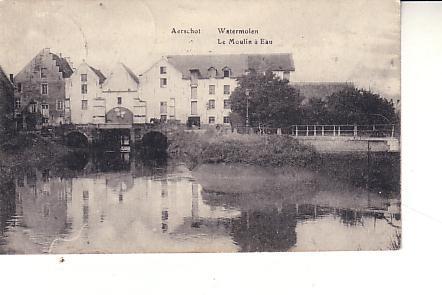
(392, 131)
(296, 130)
(314, 130)
(278, 131)
(334, 130)
(355, 130)
(306, 132)
(339, 130)
(322, 130)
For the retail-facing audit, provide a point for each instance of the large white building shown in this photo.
(197, 88)
(191, 89)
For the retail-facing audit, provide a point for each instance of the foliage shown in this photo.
(273, 150)
(351, 106)
(271, 101)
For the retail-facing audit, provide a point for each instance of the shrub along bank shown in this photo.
(196, 149)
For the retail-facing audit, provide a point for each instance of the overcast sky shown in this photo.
(341, 40)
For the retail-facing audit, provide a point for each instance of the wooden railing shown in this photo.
(378, 130)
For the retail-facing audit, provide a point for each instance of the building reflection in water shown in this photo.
(133, 208)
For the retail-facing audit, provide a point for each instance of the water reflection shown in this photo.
(112, 204)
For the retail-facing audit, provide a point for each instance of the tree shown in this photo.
(271, 101)
(352, 106)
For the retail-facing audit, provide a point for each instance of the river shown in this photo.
(117, 204)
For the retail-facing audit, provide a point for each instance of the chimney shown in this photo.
(11, 77)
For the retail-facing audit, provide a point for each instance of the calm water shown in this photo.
(115, 205)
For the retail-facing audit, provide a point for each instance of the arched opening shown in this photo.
(76, 139)
(119, 115)
(155, 143)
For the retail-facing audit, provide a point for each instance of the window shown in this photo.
(83, 77)
(119, 100)
(163, 70)
(163, 82)
(45, 106)
(43, 73)
(286, 75)
(45, 120)
(59, 105)
(84, 104)
(172, 108)
(19, 87)
(212, 72)
(211, 104)
(67, 103)
(226, 120)
(83, 88)
(211, 89)
(18, 103)
(227, 103)
(193, 108)
(44, 88)
(193, 92)
(163, 107)
(226, 89)
(33, 107)
(211, 120)
(226, 73)
(163, 118)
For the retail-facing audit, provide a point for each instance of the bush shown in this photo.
(272, 150)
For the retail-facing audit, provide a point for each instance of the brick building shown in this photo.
(40, 90)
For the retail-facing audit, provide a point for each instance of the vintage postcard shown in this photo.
(199, 126)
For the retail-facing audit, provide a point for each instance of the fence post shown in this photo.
(306, 132)
(334, 130)
(322, 130)
(278, 131)
(339, 130)
(392, 131)
(314, 130)
(355, 130)
(296, 130)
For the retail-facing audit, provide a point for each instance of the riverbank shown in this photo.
(210, 147)
(29, 150)
(378, 171)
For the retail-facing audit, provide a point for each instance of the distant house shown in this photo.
(84, 98)
(196, 88)
(40, 90)
(320, 90)
(6, 100)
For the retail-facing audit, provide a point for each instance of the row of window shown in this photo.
(212, 72)
(194, 89)
(44, 106)
(226, 119)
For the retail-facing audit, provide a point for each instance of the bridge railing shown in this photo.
(377, 130)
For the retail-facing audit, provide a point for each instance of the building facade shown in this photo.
(196, 89)
(84, 96)
(6, 101)
(40, 90)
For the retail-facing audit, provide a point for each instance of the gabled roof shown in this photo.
(100, 75)
(134, 77)
(239, 64)
(63, 65)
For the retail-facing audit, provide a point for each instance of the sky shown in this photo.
(331, 41)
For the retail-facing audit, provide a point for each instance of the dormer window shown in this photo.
(212, 72)
(226, 72)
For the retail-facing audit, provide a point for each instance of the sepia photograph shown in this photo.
(147, 126)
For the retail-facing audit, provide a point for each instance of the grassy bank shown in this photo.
(380, 171)
(202, 148)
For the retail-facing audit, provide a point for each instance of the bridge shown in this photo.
(324, 138)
